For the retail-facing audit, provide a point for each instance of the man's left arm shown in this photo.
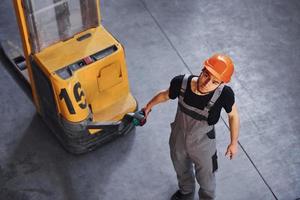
(234, 125)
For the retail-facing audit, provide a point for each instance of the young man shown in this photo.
(192, 140)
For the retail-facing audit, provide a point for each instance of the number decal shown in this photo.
(79, 96)
(64, 95)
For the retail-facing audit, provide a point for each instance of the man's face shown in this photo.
(207, 82)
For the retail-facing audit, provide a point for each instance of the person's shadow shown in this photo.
(40, 168)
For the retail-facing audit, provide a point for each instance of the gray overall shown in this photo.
(192, 141)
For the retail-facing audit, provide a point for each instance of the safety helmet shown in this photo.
(221, 66)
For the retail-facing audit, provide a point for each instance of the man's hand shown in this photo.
(231, 150)
(234, 125)
(147, 110)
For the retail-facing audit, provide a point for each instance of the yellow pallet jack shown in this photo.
(76, 71)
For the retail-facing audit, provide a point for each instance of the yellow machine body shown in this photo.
(79, 82)
(103, 83)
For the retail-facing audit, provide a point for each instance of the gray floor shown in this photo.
(164, 38)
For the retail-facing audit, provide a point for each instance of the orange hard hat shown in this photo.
(221, 66)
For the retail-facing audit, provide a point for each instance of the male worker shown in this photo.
(192, 140)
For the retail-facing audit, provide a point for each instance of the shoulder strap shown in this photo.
(215, 96)
(184, 83)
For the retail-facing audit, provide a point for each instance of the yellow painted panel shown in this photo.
(117, 110)
(67, 52)
(109, 76)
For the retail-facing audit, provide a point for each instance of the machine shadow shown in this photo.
(40, 168)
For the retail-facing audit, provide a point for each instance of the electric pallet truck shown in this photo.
(76, 71)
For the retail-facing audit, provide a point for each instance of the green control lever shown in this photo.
(137, 118)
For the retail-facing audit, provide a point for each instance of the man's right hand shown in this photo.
(146, 110)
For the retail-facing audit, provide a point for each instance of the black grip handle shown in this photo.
(139, 118)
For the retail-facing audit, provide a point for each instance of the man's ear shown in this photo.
(202, 70)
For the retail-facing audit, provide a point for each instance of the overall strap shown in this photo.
(184, 84)
(191, 111)
(215, 97)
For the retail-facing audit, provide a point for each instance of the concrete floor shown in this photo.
(164, 38)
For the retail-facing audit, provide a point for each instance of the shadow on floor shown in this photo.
(39, 168)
